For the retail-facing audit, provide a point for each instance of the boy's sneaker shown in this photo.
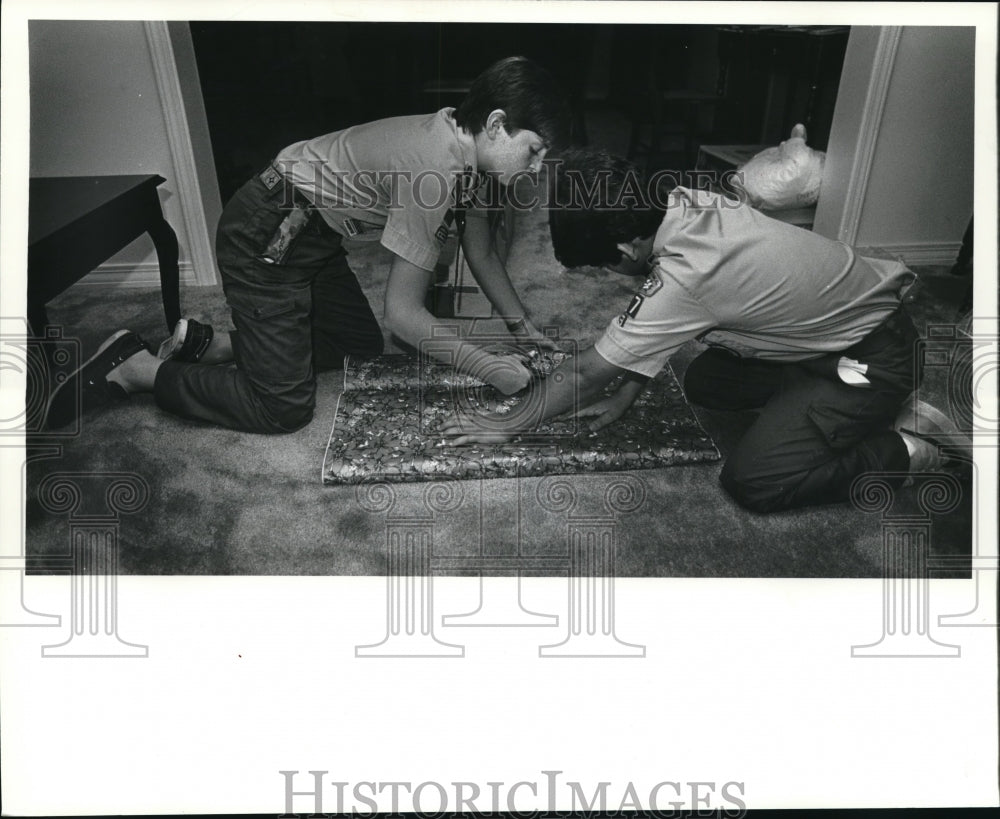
(188, 343)
(88, 388)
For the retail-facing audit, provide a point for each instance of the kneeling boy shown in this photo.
(798, 326)
(297, 306)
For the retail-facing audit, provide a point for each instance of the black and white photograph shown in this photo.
(493, 407)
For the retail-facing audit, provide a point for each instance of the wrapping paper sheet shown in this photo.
(387, 420)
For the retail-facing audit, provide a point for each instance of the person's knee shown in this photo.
(753, 493)
(329, 356)
(280, 414)
(696, 380)
(284, 421)
(373, 346)
(702, 383)
(293, 419)
(367, 346)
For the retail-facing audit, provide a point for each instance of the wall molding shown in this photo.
(143, 274)
(924, 253)
(181, 151)
(868, 131)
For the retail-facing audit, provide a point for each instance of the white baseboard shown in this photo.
(925, 253)
(143, 274)
(147, 274)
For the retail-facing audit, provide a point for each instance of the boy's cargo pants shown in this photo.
(297, 308)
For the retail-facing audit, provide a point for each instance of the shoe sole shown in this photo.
(946, 434)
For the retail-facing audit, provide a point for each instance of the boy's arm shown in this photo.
(407, 317)
(575, 383)
(491, 274)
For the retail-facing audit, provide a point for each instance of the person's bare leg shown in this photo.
(136, 374)
(220, 349)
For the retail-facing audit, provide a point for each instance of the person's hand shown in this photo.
(525, 332)
(604, 412)
(475, 429)
(507, 373)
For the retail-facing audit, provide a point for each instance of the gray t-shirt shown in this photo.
(393, 178)
(730, 276)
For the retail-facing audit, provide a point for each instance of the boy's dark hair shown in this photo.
(596, 200)
(529, 95)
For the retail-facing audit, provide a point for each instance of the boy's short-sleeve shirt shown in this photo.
(733, 277)
(393, 178)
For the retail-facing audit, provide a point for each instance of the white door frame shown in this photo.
(197, 190)
(845, 179)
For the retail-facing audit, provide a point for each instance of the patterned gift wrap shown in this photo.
(388, 416)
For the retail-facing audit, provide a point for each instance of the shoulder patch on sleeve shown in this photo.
(652, 284)
(631, 310)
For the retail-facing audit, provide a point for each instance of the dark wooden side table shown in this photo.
(77, 222)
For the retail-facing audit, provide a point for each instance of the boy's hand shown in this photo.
(524, 331)
(475, 429)
(610, 409)
(507, 373)
(604, 412)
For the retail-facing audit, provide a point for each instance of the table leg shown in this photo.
(167, 253)
(38, 319)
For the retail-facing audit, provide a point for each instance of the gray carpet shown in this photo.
(224, 502)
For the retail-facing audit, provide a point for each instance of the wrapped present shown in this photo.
(387, 423)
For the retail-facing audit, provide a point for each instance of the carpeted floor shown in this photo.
(223, 502)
